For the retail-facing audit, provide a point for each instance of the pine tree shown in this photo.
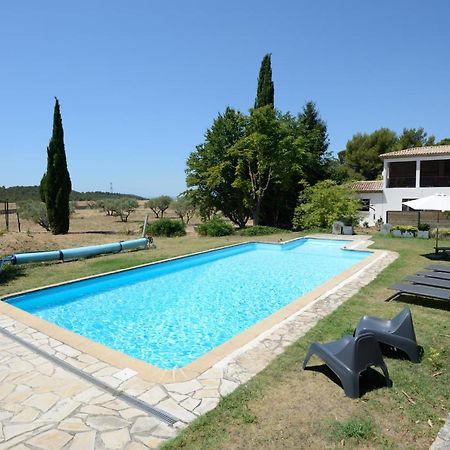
(265, 90)
(55, 184)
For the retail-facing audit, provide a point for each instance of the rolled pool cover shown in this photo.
(80, 252)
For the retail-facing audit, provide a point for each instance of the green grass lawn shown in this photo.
(286, 407)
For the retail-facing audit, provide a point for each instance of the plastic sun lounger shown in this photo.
(420, 291)
(348, 357)
(398, 332)
(429, 281)
(439, 268)
(440, 275)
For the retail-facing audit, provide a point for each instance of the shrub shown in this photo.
(260, 230)
(166, 227)
(444, 233)
(215, 227)
(325, 202)
(405, 228)
(423, 227)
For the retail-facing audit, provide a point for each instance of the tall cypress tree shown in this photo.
(265, 91)
(55, 184)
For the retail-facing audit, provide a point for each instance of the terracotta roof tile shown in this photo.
(419, 151)
(368, 186)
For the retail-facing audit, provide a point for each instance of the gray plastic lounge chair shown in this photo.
(420, 291)
(398, 332)
(441, 275)
(348, 357)
(429, 281)
(439, 268)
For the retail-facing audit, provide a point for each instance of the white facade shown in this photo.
(389, 197)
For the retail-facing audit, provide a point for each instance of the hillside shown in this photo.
(23, 193)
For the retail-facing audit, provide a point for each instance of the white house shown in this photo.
(407, 174)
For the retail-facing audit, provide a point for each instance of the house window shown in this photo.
(365, 204)
(404, 207)
(435, 173)
(402, 174)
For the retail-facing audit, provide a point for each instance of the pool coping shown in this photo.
(192, 370)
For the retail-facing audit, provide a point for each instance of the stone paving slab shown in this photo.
(43, 405)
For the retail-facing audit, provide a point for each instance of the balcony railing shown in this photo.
(401, 182)
(435, 181)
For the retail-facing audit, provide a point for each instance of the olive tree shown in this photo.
(184, 208)
(159, 204)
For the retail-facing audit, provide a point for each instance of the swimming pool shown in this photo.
(171, 313)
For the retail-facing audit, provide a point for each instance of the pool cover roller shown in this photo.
(80, 252)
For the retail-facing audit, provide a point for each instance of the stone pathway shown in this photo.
(442, 441)
(45, 406)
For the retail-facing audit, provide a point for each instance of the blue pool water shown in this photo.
(171, 313)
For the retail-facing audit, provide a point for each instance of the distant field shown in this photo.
(87, 227)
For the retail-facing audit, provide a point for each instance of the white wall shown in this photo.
(393, 196)
(376, 209)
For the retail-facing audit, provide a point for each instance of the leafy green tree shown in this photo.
(445, 141)
(159, 205)
(211, 170)
(183, 208)
(305, 159)
(259, 158)
(362, 152)
(314, 142)
(414, 137)
(56, 185)
(265, 90)
(320, 205)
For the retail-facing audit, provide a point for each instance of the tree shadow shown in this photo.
(369, 380)
(10, 272)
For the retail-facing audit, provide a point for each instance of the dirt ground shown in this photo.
(87, 227)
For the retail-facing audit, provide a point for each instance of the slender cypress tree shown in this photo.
(265, 90)
(55, 184)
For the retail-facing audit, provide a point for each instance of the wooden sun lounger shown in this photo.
(439, 268)
(420, 291)
(429, 281)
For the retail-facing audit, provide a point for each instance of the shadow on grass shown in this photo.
(395, 353)
(370, 379)
(441, 256)
(422, 301)
(10, 273)
(94, 232)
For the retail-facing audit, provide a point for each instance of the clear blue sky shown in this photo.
(140, 81)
